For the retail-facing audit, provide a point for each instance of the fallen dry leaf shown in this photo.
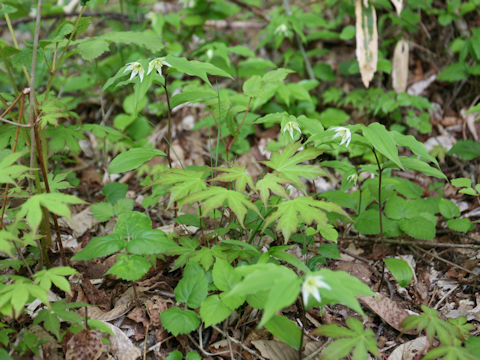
(84, 345)
(275, 350)
(410, 350)
(367, 40)
(121, 346)
(389, 310)
(400, 66)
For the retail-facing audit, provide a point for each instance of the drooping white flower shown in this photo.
(136, 68)
(343, 133)
(282, 29)
(291, 127)
(312, 286)
(353, 178)
(157, 65)
(209, 54)
(188, 3)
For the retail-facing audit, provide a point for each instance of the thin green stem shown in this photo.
(15, 43)
(380, 209)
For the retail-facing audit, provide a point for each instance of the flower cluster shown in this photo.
(137, 69)
(343, 133)
(311, 286)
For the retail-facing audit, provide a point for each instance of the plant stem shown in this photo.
(169, 131)
(15, 42)
(380, 208)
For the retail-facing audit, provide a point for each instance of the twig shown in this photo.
(418, 243)
(14, 123)
(445, 296)
(206, 353)
(250, 351)
(258, 12)
(445, 260)
(110, 15)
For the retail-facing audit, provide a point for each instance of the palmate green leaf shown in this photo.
(183, 182)
(302, 209)
(451, 352)
(355, 339)
(195, 68)
(382, 140)
(45, 278)
(237, 174)
(132, 159)
(8, 171)
(14, 296)
(216, 196)
(178, 321)
(429, 321)
(273, 183)
(289, 165)
(56, 203)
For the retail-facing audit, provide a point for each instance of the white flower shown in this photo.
(344, 133)
(157, 65)
(188, 3)
(353, 178)
(282, 30)
(311, 286)
(209, 54)
(291, 126)
(136, 68)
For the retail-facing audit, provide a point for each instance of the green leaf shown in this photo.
(9, 171)
(462, 182)
(288, 165)
(273, 183)
(102, 211)
(466, 149)
(133, 223)
(174, 355)
(130, 267)
(354, 339)
(401, 270)
(448, 209)
(213, 310)
(286, 330)
(302, 209)
(56, 275)
(145, 39)
(178, 321)
(195, 68)
(454, 72)
(382, 140)
(56, 203)
(421, 227)
(101, 246)
(215, 197)
(333, 117)
(92, 48)
(237, 174)
(150, 242)
(411, 163)
(132, 159)
(182, 183)
(192, 289)
(460, 225)
(224, 276)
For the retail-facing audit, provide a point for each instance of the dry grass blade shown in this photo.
(400, 66)
(398, 5)
(367, 39)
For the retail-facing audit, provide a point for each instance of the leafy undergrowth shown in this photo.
(235, 179)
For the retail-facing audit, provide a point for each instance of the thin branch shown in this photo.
(247, 349)
(14, 123)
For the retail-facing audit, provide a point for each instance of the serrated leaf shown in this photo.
(224, 276)
(288, 164)
(130, 267)
(237, 174)
(302, 209)
(215, 197)
(192, 289)
(178, 321)
(183, 183)
(132, 159)
(101, 246)
(214, 311)
(56, 203)
(92, 48)
(150, 242)
(420, 227)
(273, 183)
